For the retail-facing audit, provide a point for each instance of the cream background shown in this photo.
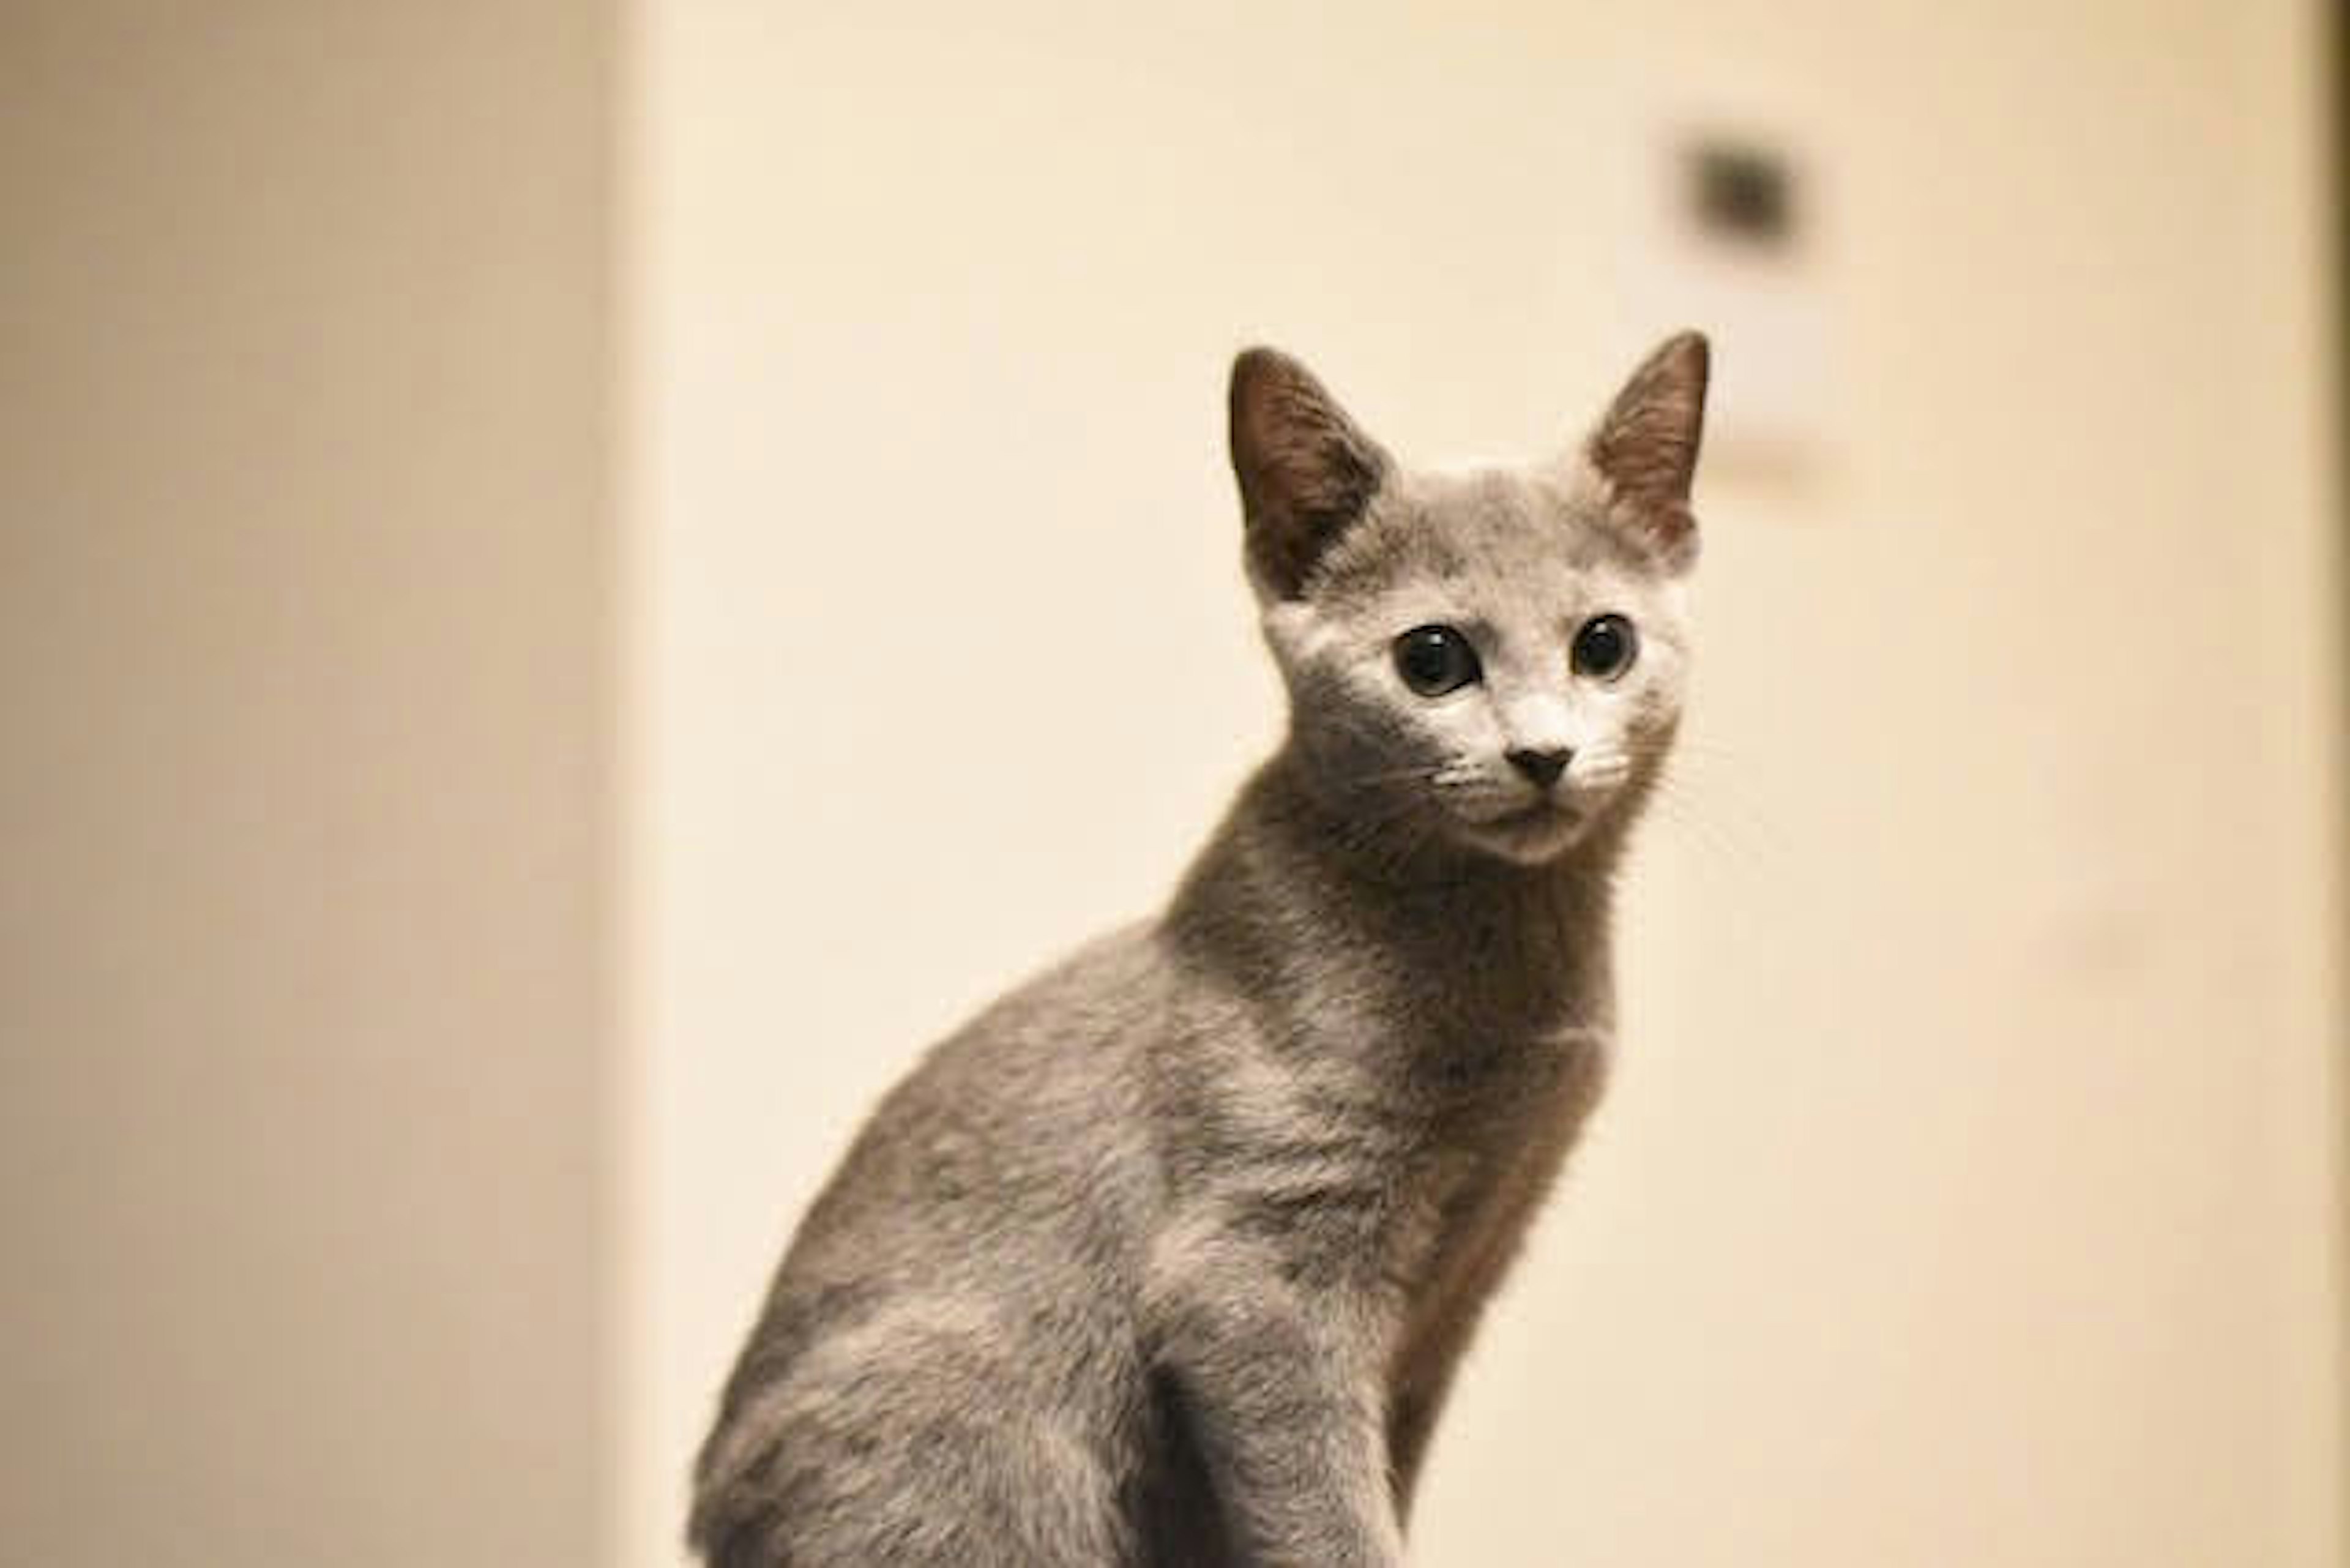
(1967, 1193)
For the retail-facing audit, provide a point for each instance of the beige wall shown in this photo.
(302, 798)
(1968, 1191)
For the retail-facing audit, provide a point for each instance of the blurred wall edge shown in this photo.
(305, 665)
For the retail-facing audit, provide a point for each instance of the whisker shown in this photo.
(1736, 865)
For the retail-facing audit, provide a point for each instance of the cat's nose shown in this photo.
(1542, 766)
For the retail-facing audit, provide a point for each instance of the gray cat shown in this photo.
(1167, 1257)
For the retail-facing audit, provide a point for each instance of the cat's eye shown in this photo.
(1434, 659)
(1606, 647)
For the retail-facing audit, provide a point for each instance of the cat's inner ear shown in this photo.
(1306, 472)
(1646, 447)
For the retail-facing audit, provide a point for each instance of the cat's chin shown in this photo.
(1535, 836)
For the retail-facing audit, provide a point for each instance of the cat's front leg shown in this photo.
(1281, 1392)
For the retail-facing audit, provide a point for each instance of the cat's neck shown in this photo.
(1300, 893)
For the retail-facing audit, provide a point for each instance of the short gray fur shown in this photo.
(1169, 1256)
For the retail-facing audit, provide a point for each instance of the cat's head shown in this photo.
(1495, 655)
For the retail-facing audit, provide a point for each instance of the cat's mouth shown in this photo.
(1530, 834)
(1543, 811)
(1546, 822)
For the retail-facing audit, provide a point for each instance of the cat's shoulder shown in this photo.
(1102, 991)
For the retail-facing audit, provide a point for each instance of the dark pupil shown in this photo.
(1435, 659)
(1603, 647)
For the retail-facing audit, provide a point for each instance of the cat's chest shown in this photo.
(1487, 1107)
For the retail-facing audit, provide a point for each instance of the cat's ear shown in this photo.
(1306, 473)
(1646, 447)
